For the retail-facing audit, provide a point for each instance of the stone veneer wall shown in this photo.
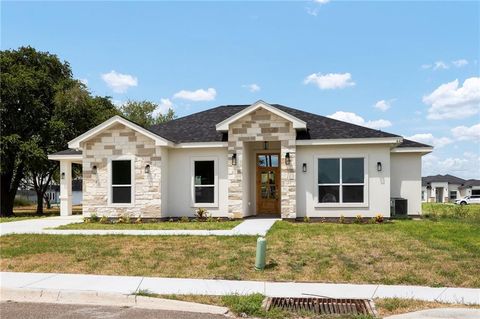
(117, 141)
(262, 125)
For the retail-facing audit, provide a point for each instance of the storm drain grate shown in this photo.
(323, 306)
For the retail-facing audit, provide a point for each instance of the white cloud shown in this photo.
(252, 87)
(465, 133)
(426, 66)
(449, 101)
(330, 81)
(440, 65)
(383, 105)
(428, 138)
(163, 107)
(459, 63)
(119, 82)
(358, 120)
(197, 95)
(321, 1)
(312, 11)
(84, 81)
(467, 166)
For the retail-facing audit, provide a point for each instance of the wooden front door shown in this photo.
(268, 184)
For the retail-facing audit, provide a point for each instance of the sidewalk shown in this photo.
(131, 284)
(249, 227)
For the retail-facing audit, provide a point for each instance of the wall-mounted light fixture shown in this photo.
(63, 175)
(379, 166)
(287, 158)
(234, 159)
(304, 167)
(147, 169)
(265, 145)
(94, 169)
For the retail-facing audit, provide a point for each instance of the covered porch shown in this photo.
(66, 158)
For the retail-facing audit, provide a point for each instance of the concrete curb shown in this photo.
(104, 299)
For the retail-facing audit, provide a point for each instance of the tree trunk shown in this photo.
(47, 201)
(39, 202)
(9, 181)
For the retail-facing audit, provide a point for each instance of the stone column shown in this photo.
(288, 180)
(235, 203)
(65, 188)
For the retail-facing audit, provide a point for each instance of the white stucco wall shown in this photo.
(378, 183)
(406, 180)
(179, 201)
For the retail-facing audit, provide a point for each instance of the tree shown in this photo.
(29, 80)
(144, 113)
(42, 108)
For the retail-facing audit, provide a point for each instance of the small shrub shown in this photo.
(128, 219)
(341, 219)
(460, 211)
(94, 218)
(210, 219)
(86, 220)
(184, 219)
(103, 219)
(121, 219)
(138, 220)
(358, 219)
(171, 220)
(379, 218)
(201, 213)
(372, 220)
(306, 219)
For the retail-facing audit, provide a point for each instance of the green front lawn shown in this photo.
(29, 212)
(215, 225)
(440, 252)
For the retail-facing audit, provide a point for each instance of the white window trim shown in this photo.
(365, 181)
(192, 181)
(130, 158)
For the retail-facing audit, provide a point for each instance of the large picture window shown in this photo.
(341, 180)
(204, 182)
(121, 182)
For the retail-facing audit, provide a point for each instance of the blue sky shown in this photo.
(409, 68)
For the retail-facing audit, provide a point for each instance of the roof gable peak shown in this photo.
(297, 123)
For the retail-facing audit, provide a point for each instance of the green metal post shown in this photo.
(261, 249)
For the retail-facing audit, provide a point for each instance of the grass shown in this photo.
(251, 305)
(432, 252)
(439, 210)
(156, 226)
(29, 212)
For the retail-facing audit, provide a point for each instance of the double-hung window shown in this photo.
(341, 180)
(121, 182)
(205, 182)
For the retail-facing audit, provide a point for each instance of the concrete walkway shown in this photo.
(249, 227)
(440, 313)
(130, 284)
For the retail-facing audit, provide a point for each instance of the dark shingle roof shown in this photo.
(200, 127)
(471, 182)
(442, 179)
(68, 152)
(410, 143)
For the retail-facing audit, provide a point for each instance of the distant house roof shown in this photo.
(447, 178)
(471, 182)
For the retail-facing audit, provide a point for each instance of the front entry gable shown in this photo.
(297, 123)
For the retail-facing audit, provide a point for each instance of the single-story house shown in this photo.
(242, 160)
(447, 188)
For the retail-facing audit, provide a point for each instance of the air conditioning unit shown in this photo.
(398, 207)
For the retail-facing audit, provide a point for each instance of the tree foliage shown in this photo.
(145, 113)
(42, 108)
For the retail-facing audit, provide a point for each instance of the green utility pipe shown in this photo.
(261, 249)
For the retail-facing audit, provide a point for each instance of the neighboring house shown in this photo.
(53, 193)
(447, 188)
(470, 187)
(243, 160)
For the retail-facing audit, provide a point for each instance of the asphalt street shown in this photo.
(15, 310)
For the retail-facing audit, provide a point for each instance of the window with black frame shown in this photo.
(204, 181)
(341, 180)
(121, 182)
